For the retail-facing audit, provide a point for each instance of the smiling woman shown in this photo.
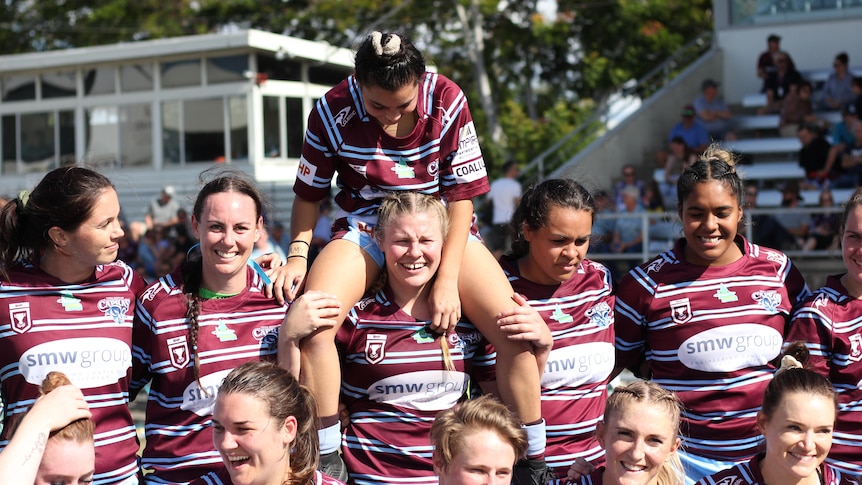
(687, 312)
(70, 306)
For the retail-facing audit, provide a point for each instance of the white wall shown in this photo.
(811, 45)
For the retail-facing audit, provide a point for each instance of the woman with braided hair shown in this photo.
(192, 327)
(394, 127)
(708, 317)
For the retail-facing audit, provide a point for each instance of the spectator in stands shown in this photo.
(603, 227)
(794, 221)
(796, 109)
(679, 158)
(838, 90)
(778, 84)
(765, 230)
(322, 230)
(265, 244)
(163, 209)
(856, 86)
(842, 136)
(813, 154)
(628, 236)
(851, 160)
(689, 129)
(824, 225)
(712, 111)
(766, 63)
(504, 196)
(628, 178)
(277, 234)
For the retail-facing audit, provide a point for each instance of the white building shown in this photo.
(161, 111)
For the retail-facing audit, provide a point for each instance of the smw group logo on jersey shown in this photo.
(731, 347)
(200, 399)
(88, 362)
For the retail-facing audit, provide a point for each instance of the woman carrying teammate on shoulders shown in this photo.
(192, 327)
(796, 419)
(69, 307)
(709, 318)
(828, 322)
(394, 127)
(548, 266)
(265, 430)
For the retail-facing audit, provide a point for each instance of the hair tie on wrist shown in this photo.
(299, 241)
(297, 256)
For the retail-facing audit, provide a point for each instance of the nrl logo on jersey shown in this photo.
(855, 347)
(770, 300)
(344, 116)
(178, 350)
(375, 348)
(680, 310)
(19, 315)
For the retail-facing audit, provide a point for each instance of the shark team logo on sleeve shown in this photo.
(178, 348)
(375, 348)
(731, 480)
(680, 310)
(344, 116)
(19, 314)
(306, 171)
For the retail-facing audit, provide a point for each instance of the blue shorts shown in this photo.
(360, 231)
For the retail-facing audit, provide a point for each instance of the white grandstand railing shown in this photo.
(649, 245)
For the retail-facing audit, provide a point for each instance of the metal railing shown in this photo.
(570, 144)
(652, 245)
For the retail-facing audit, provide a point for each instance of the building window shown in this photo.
(748, 12)
(177, 74)
(271, 127)
(279, 70)
(171, 136)
(10, 144)
(137, 77)
(18, 87)
(67, 137)
(228, 69)
(99, 81)
(327, 75)
(295, 131)
(102, 141)
(38, 148)
(238, 112)
(136, 135)
(203, 130)
(58, 85)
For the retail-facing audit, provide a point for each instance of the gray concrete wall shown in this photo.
(642, 134)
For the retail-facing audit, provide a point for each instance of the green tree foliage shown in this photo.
(546, 74)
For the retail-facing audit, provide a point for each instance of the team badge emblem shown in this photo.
(855, 347)
(600, 315)
(680, 310)
(69, 302)
(178, 349)
(821, 301)
(403, 169)
(434, 167)
(115, 307)
(770, 300)
(19, 314)
(375, 348)
(724, 295)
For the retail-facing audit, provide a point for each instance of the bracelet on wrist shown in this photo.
(299, 241)
(297, 256)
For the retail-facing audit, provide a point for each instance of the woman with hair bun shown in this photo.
(828, 323)
(53, 442)
(708, 317)
(68, 306)
(394, 127)
(796, 419)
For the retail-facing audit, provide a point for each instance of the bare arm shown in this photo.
(445, 300)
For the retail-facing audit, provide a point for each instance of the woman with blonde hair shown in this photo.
(477, 441)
